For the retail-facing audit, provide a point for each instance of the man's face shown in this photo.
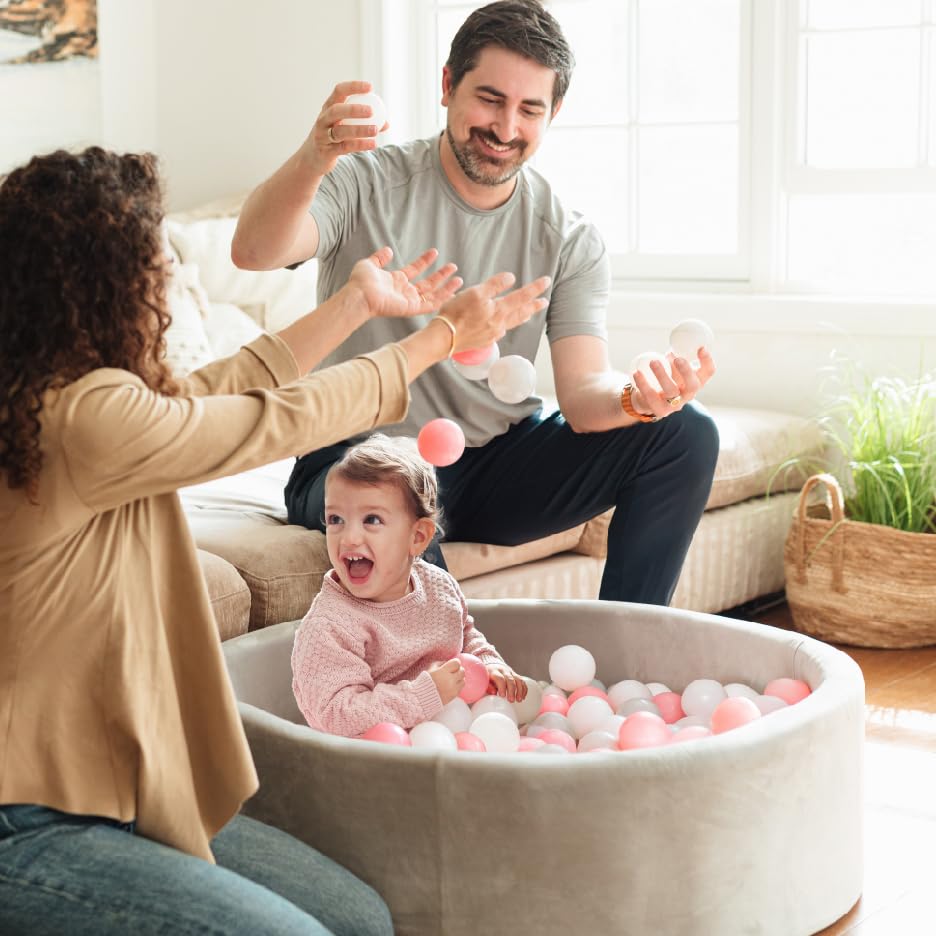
(498, 114)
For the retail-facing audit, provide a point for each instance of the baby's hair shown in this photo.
(382, 460)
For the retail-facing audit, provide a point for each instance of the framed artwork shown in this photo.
(49, 77)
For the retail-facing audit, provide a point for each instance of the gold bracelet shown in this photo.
(628, 406)
(441, 318)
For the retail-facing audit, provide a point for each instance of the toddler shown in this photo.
(380, 639)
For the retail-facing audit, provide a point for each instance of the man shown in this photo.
(471, 194)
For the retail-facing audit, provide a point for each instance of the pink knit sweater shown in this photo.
(356, 663)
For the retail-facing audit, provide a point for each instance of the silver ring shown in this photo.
(331, 135)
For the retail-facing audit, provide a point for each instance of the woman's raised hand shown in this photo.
(400, 292)
(481, 315)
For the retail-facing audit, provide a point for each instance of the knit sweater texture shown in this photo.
(357, 663)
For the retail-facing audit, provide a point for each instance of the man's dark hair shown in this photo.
(521, 26)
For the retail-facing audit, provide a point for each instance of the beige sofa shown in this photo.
(261, 571)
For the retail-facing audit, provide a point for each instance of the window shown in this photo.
(771, 146)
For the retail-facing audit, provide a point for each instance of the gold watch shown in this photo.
(628, 406)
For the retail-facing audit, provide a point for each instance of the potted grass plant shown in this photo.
(861, 567)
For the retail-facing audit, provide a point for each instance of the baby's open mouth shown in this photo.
(358, 568)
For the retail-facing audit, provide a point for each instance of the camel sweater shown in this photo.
(357, 663)
(114, 698)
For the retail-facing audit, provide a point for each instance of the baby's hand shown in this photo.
(506, 682)
(449, 679)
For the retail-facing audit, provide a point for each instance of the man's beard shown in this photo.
(481, 168)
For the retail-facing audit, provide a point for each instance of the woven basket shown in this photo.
(858, 583)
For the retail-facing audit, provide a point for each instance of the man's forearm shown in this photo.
(274, 226)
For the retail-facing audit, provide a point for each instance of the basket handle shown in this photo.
(836, 504)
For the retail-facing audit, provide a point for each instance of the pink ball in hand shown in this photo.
(790, 690)
(387, 733)
(441, 442)
(476, 678)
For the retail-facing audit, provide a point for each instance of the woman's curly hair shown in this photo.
(83, 287)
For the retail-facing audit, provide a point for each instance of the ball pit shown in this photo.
(757, 829)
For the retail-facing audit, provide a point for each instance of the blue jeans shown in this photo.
(540, 477)
(87, 875)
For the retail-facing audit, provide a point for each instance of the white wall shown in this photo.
(225, 90)
(222, 90)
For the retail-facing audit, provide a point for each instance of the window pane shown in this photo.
(842, 14)
(589, 170)
(597, 32)
(862, 98)
(688, 190)
(689, 60)
(883, 244)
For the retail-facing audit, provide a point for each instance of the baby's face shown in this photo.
(372, 538)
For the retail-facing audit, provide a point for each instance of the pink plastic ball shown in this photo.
(387, 733)
(476, 678)
(670, 706)
(530, 744)
(589, 690)
(790, 690)
(474, 355)
(554, 703)
(466, 741)
(555, 736)
(441, 442)
(642, 730)
(733, 713)
(690, 733)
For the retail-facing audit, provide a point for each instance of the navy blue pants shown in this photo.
(540, 477)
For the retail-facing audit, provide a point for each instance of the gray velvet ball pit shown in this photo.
(756, 831)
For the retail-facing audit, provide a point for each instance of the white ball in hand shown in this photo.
(377, 106)
(690, 335)
(512, 379)
(642, 363)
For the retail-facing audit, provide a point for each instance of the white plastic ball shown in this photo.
(642, 363)
(687, 721)
(637, 705)
(690, 335)
(740, 689)
(597, 739)
(498, 732)
(701, 696)
(528, 709)
(433, 736)
(512, 379)
(657, 687)
(586, 714)
(768, 703)
(551, 749)
(598, 684)
(549, 720)
(612, 724)
(378, 110)
(456, 716)
(626, 689)
(571, 667)
(493, 703)
(553, 689)
(478, 371)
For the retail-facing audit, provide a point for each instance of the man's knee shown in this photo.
(701, 435)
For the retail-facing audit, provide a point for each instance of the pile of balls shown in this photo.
(577, 713)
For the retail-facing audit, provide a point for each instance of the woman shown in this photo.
(123, 763)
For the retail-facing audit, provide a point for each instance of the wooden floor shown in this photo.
(899, 896)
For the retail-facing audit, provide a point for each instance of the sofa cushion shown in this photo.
(229, 594)
(282, 564)
(467, 560)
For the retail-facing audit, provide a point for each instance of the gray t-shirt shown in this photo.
(400, 196)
